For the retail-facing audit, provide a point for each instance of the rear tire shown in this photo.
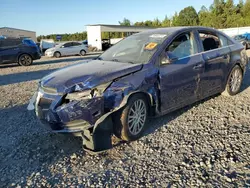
(130, 121)
(57, 54)
(25, 60)
(234, 81)
(82, 52)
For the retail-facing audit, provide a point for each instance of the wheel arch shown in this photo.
(83, 50)
(147, 95)
(229, 72)
(57, 52)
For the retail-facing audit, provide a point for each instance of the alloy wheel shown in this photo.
(137, 117)
(235, 80)
(25, 60)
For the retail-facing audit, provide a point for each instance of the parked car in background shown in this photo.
(144, 75)
(244, 39)
(66, 49)
(45, 44)
(22, 51)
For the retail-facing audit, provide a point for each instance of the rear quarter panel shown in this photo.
(238, 55)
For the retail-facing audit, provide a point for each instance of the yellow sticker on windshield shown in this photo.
(150, 46)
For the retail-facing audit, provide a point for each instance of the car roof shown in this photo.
(170, 30)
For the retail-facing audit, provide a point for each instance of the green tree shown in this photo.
(139, 24)
(188, 16)
(166, 22)
(125, 22)
(156, 23)
(148, 23)
(246, 13)
(175, 20)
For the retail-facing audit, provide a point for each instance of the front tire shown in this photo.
(25, 60)
(130, 121)
(82, 52)
(234, 81)
(57, 54)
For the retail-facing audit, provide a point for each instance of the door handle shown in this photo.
(197, 66)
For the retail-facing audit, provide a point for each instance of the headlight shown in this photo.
(79, 95)
(87, 94)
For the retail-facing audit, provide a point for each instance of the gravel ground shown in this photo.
(205, 144)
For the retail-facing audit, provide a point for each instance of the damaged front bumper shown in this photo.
(74, 117)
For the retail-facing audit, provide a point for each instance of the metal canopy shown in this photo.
(121, 28)
(94, 32)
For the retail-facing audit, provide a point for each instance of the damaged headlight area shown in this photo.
(87, 94)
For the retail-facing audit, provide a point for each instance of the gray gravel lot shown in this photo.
(205, 144)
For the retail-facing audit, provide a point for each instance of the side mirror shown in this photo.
(62, 46)
(168, 59)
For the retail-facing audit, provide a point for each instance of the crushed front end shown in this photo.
(75, 113)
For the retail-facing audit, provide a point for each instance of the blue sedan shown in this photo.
(147, 74)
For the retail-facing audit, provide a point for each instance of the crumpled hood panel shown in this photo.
(90, 74)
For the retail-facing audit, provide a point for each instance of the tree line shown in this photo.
(221, 14)
(65, 37)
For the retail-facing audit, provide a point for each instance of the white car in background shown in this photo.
(66, 49)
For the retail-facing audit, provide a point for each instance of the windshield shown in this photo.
(137, 48)
(239, 37)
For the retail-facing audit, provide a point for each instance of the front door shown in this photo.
(180, 72)
(66, 49)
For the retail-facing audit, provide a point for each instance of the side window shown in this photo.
(248, 37)
(66, 45)
(209, 40)
(182, 46)
(76, 44)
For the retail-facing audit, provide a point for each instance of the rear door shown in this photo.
(180, 70)
(76, 48)
(216, 54)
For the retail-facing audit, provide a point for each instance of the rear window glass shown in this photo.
(29, 42)
(224, 41)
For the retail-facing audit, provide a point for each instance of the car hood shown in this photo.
(88, 75)
(52, 49)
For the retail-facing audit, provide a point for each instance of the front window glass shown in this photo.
(137, 48)
(182, 46)
(67, 45)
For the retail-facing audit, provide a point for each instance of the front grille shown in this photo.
(45, 103)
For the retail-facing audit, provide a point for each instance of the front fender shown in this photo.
(118, 93)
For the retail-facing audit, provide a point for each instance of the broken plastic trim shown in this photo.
(88, 94)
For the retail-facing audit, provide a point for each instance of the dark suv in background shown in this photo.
(21, 51)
